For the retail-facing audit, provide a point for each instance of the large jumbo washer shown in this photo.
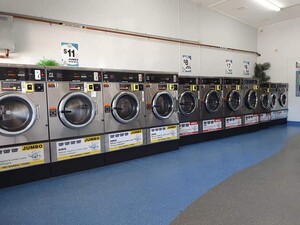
(211, 102)
(233, 102)
(124, 115)
(24, 150)
(161, 95)
(250, 98)
(188, 104)
(264, 103)
(75, 110)
(279, 112)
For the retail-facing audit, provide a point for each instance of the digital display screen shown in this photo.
(73, 75)
(126, 77)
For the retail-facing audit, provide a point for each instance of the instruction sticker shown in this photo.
(251, 119)
(233, 122)
(282, 114)
(265, 117)
(188, 128)
(166, 133)
(79, 147)
(21, 156)
(125, 139)
(212, 125)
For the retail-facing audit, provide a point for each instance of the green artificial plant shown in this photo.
(47, 62)
(259, 71)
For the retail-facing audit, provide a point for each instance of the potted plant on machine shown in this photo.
(47, 62)
(259, 71)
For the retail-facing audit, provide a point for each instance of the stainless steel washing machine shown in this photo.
(250, 98)
(280, 109)
(75, 109)
(211, 103)
(161, 95)
(188, 104)
(23, 124)
(124, 109)
(233, 102)
(264, 102)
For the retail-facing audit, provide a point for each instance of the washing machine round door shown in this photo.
(163, 105)
(76, 110)
(282, 99)
(125, 107)
(212, 101)
(187, 103)
(234, 100)
(273, 100)
(251, 99)
(17, 114)
(265, 101)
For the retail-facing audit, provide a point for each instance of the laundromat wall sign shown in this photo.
(70, 54)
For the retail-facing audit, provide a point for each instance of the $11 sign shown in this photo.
(69, 54)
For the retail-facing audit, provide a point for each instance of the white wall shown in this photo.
(279, 45)
(178, 19)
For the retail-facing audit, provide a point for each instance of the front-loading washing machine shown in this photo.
(250, 98)
(264, 104)
(124, 115)
(161, 96)
(188, 105)
(233, 102)
(211, 103)
(75, 109)
(279, 112)
(24, 150)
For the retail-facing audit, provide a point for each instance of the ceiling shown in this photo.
(252, 13)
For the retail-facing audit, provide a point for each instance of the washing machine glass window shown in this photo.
(251, 99)
(17, 114)
(234, 100)
(76, 110)
(265, 101)
(212, 101)
(125, 107)
(163, 105)
(273, 100)
(282, 99)
(187, 103)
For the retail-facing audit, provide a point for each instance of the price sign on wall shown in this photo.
(70, 54)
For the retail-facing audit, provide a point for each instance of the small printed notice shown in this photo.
(282, 114)
(251, 119)
(125, 139)
(189, 128)
(166, 133)
(79, 147)
(186, 63)
(21, 156)
(70, 54)
(246, 68)
(228, 66)
(265, 117)
(212, 125)
(233, 122)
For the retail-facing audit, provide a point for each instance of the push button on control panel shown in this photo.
(29, 87)
(39, 87)
(97, 87)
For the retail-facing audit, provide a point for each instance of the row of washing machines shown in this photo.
(58, 120)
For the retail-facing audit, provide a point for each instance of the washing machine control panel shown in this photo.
(22, 73)
(162, 78)
(123, 77)
(74, 75)
(22, 86)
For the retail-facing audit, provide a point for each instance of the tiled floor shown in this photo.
(147, 191)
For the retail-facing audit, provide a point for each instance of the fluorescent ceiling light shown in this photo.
(269, 4)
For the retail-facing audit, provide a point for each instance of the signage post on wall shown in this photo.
(186, 63)
(70, 54)
(228, 66)
(246, 68)
(297, 79)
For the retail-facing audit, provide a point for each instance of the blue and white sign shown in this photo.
(246, 68)
(70, 54)
(228, 66)
(186, 63)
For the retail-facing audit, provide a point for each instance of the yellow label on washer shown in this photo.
(38, 146)
(90, 87)
(238, 87)
(268, 90)
(134, 87)
(170, 87)
(29, 87)
(218, 87)
(194, 88)
(93, 138)
(255, 87)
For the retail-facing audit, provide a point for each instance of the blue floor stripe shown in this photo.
(147, 191)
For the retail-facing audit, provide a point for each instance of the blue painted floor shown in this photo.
(147, 191)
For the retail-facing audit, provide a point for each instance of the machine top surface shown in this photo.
(162, 78)
(120, 77)
(62, 74)
(22, 73)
